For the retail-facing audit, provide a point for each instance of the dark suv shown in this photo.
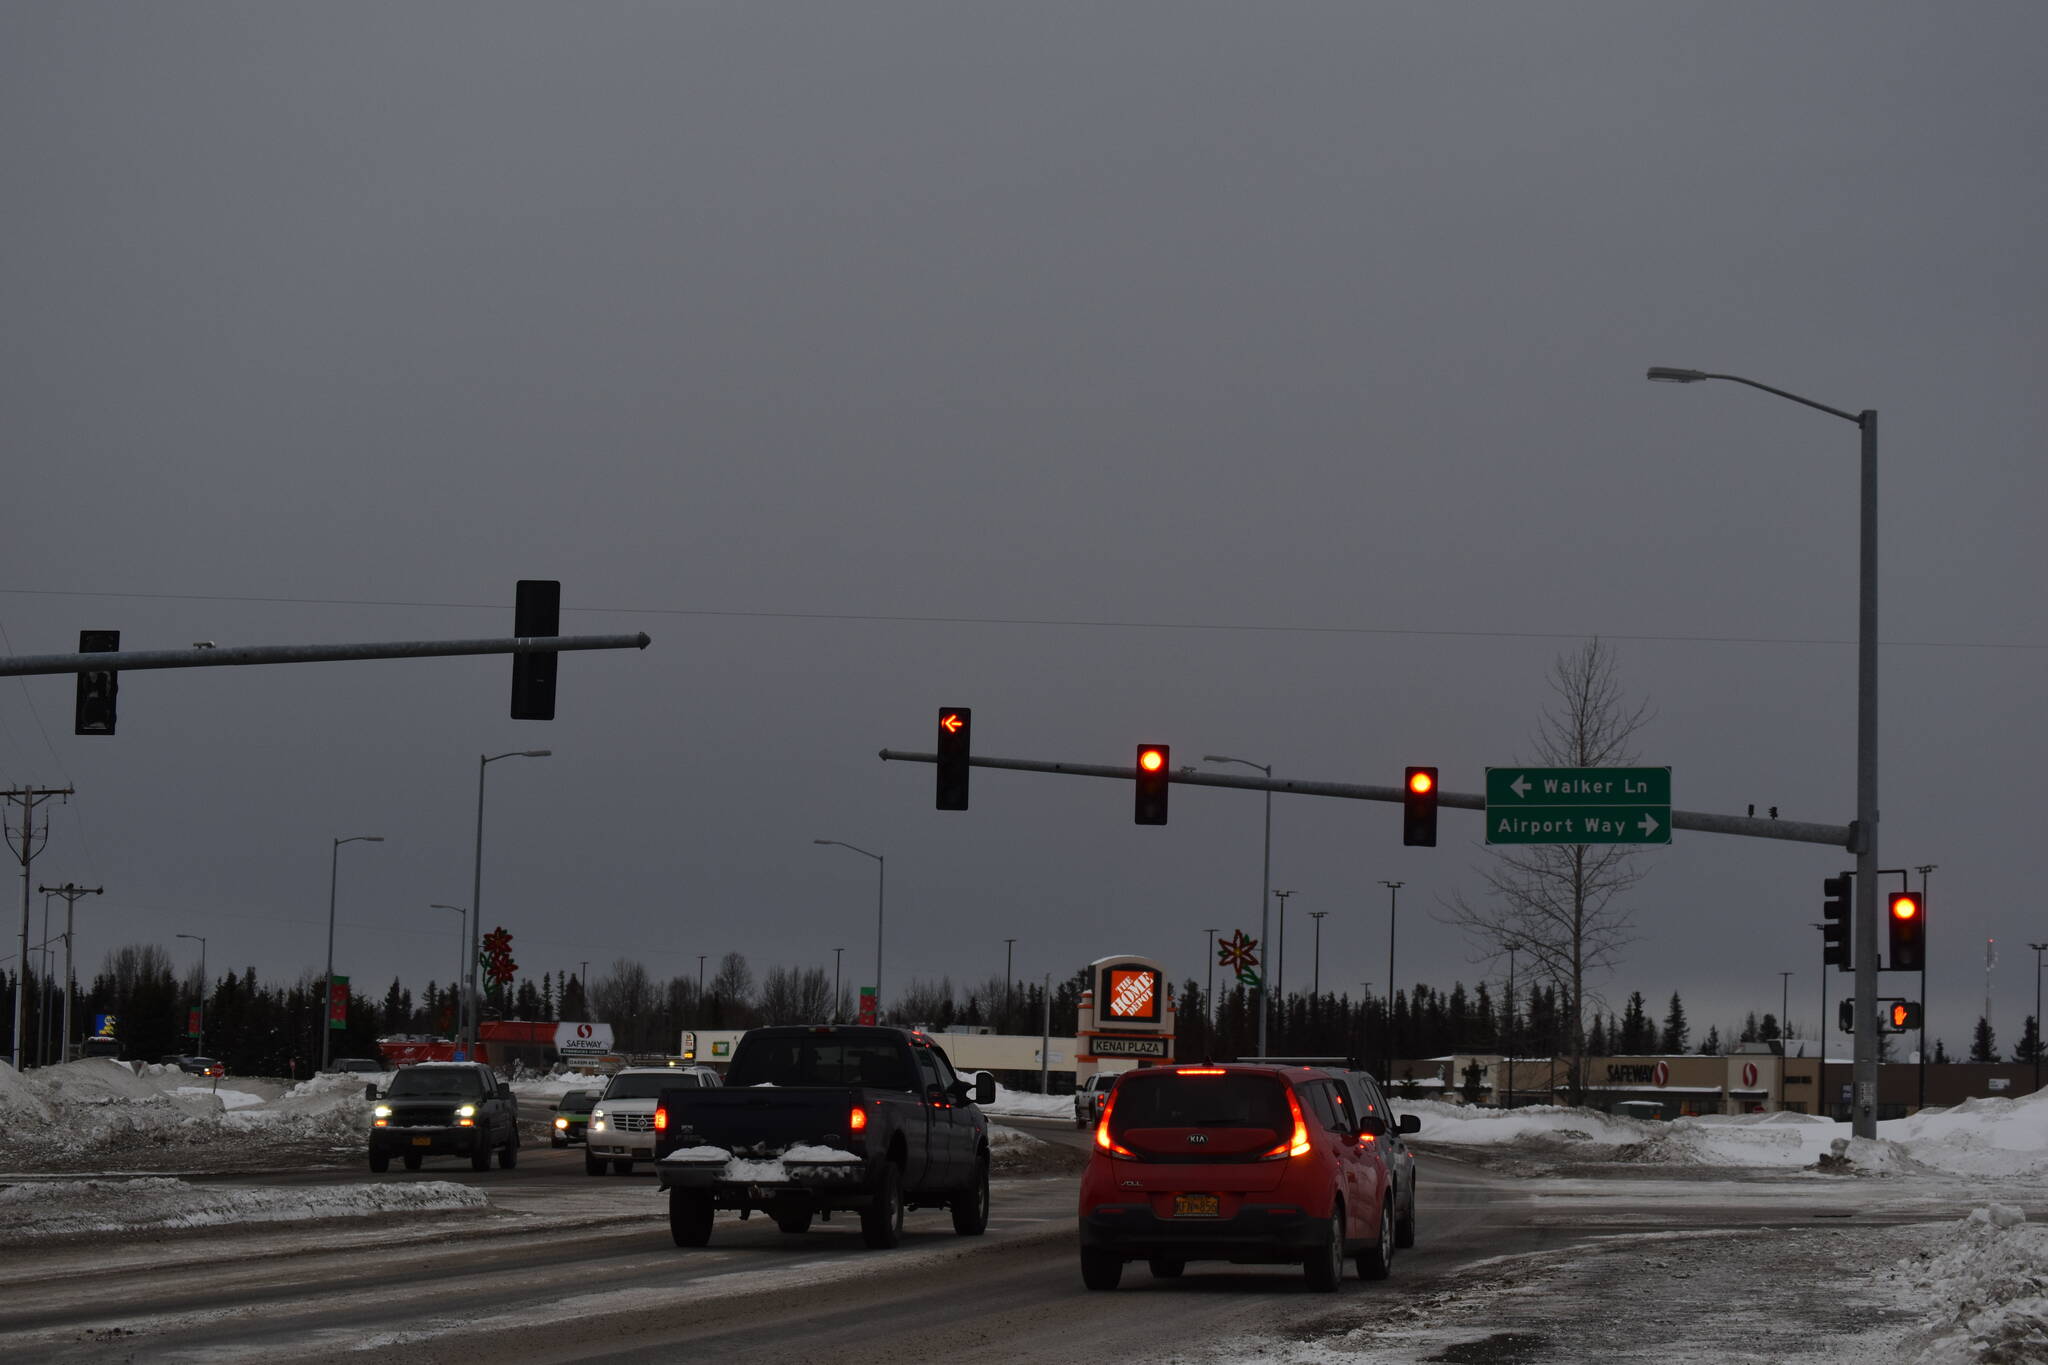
(1248, 1164)
(442, 1109)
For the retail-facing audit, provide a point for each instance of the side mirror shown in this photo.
(369, 1092)
(984, 1088)
(1410, 1124)
(1372, 1125)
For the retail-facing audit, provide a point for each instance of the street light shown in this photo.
(2037, 947)
(461, 941)
(1209, 998)
(200, 939)
(1393, 913)
(881, 892)
(1863, 1113)
(327, 982)
(1265, 885)
(473, 1011)
(1316, 988)
(1009, 948)
(837, 954)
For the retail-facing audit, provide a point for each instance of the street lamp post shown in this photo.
(1863, 1112)
(1265, 885)
(837, 953)
(1316, 987)
(1009, 948)
(1393, 913)
(1926, 899)
(881, 893)
(2037, 947)
(1510, 1048)
(461, 941)
(1784, 1032)
(327, 981)
(200, 1046)
(1280, 954)
(472, 995)
(1209, 995)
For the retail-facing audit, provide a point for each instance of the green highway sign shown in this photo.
(1578, 805)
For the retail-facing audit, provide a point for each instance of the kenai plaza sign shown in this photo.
(1578, 805)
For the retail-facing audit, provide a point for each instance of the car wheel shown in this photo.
(379, 1163)
(1101, 1269)
(1324, 1266)
(1166, 1267)
(970, 1209)
(558, 1142)
(593, 1165)
(621, 1166)
(689, 1217)
(881, 1222)
(1404, 1226)
(411, 1160)
(508, 1155)
(480, 1159)
(1376, 1262)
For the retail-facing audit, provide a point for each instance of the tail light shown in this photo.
(857, 1121)
(661, 1118)
(1297, 1145)
(1103, 1140)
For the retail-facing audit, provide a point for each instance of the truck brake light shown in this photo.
(661, 1118)
(857, 1121)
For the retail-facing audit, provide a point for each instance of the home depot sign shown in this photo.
(1126, 1012)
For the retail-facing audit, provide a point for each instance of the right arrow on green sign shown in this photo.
(1578, 805)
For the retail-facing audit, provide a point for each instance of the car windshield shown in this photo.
(646, 1085)
(419, 1082)
(575, 1102)
(1232, 1100)
(878, 1065)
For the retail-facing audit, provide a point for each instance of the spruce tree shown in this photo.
(1673, 1039)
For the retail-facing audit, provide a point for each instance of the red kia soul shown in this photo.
(1249, 1164)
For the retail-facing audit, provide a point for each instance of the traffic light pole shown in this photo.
(1703, 822)
(134, 660)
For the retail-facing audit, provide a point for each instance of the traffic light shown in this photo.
(1834, 934)
(1845, 1016)
(1418, 808)
(1904, 1016)
(536, 611)
(956, 730)
(1153, 766)
(94, 711)
(1909, 933)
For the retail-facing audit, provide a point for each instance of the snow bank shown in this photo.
(1028, 1104)
(53, 1208)
(1985, 1292)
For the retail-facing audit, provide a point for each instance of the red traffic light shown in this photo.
(1151, 760)
(1151, 787)
(1421, 780)
(1905, 906)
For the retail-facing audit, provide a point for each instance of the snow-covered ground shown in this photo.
(1974, 1289)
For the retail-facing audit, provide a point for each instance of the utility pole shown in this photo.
(1393, 910)
(25, 848)
(1316, 984)
(1784, 1032)
(70, 894)
(1009, 948)
(1280, 957)
(1209, 991)
(1925, 868)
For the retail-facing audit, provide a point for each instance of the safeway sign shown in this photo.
(583, 1040)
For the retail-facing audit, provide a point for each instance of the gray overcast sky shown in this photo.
(828, 344)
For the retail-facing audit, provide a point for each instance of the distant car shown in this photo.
(622, 1121)
(572, 1117)
(364, 1065)
(197, 1066)
(1368, 1099)
(444, 1108)
(1090, 1096)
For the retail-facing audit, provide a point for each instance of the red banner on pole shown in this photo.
(867, 1007)
(337, 1002)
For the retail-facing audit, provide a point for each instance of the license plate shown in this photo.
(1194, 1206)
(422, 1142)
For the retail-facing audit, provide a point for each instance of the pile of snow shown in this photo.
(1988, 1139)
(766, 1170)
(1985, 1292)
(54, 1208)
(1029, 1104)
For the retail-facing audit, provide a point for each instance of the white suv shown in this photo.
(1091, 1095)
(622, 1121)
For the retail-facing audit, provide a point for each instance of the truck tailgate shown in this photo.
(758, 1118)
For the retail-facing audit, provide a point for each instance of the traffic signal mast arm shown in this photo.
(128, 661)
(1797, 831)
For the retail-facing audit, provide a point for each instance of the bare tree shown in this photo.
(924, 1002)
(795, 995)
(625, 1000)
(734, 984)
(1558, 906)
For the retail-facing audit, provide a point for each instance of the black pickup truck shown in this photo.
(817, 1118)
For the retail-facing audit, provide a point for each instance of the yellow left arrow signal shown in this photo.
(950, 723)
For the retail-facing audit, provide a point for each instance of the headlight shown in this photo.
(596, 1114)
(596, 1124)
(382, 1111)
(467, 1111)
(561, 1123)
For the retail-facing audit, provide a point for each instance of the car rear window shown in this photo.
(1166, 1099)
(819, 1061)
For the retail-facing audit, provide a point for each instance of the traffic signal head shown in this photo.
(1418, 808)
(1903, 1016)
(1845, 1017)
(1908, 919)
(1154, 762)
(536, 610)
(1834, 934)
(94, 711)
(956, 730)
